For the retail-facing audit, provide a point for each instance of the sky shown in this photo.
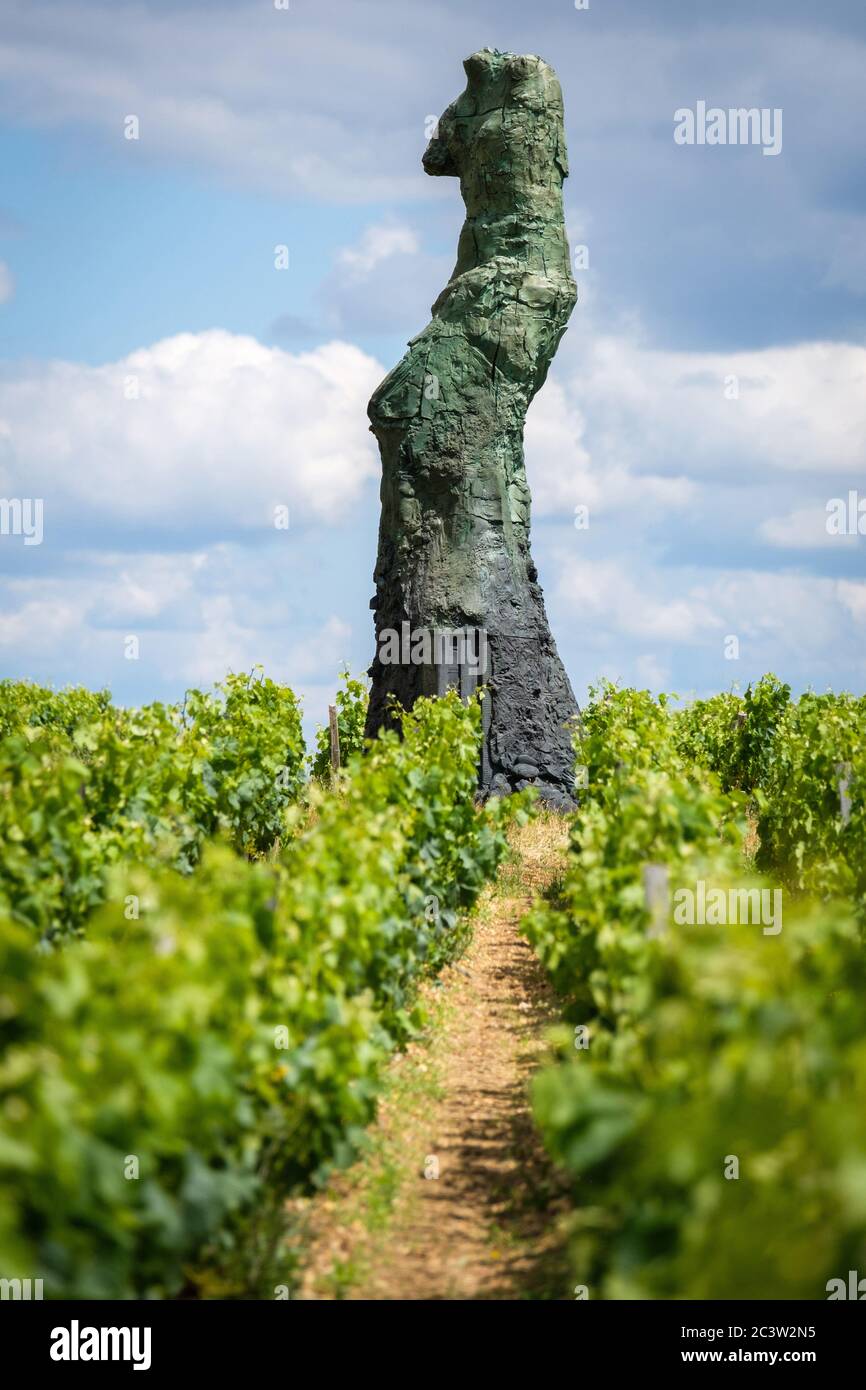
(216, 237)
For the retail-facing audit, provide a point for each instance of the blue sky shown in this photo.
(163, 386)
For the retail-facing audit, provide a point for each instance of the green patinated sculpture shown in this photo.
(454, 533)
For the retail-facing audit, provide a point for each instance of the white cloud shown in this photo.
(146, 589)
(196, 615)
(271, 97)
(651, 672)
(853, 597)
(330, 101)
(383, 284)
(226, 642)
(42, 623)
(800, 408)
(788, 622)
(379, 243)
(563, 474)
(222, 430)
(634, 604)
(803, 529)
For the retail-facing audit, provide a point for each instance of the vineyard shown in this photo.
(215, 950)
(201, 981)
(709, 1100)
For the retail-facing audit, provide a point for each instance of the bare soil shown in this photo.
(455, 1197)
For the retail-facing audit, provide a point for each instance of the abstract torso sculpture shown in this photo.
(454, 532)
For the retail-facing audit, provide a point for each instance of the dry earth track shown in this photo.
(488, 1224)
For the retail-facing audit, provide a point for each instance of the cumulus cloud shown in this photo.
(673, 469)
(137, 591)
(203, 431)
(669, 608)
(795, 409)
(41, 622)
(635, 621)
(196, 615)
(606, 593)
(563, 474)
(220, 428)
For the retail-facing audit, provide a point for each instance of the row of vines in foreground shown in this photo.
(710, 1097)
(207, 1043)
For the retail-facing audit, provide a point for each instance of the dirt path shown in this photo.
(455, 1197)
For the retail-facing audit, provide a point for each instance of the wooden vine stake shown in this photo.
(335, 738)
(843, 771)
(657, 897)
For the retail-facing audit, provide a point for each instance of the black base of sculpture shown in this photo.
(528, 711)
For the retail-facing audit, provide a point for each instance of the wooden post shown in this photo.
(335, 738)
(843, 771)
(657, 897)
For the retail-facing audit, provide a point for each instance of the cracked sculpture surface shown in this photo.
(454, 533)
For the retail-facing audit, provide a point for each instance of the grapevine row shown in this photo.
(213, 1043)
(708, 1101)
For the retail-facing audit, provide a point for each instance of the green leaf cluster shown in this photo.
(85, 785)
(804, 764)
